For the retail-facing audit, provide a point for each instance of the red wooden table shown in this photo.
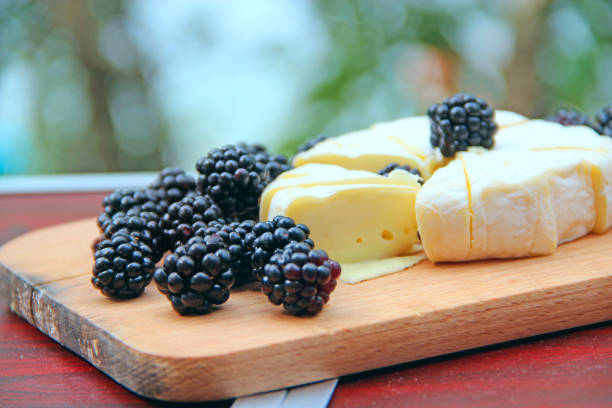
(566, 369)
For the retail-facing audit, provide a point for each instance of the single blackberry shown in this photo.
(300, 278)
(269, 236)
(571, 117)
(238, 239)
(196, 275)
(184, 217)
(142, 225)
(234, 179)
(174, 183)
(395, 166)
(123, 266)
(272, 165)
(461, 121)
(125, 199)
(309, 144)
(603, 121)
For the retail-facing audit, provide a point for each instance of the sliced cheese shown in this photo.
(315, 174)
(511, 209)
(541, 135)
(506, 119)
(519, 203)
(405, 141)
(443, 211)
(353, 221)
(366, 270)
(578, 141)
(368, 149)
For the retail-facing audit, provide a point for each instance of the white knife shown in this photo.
(316, 395)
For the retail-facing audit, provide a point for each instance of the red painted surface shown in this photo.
(567, 369)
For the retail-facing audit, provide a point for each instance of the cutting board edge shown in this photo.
(155, 376)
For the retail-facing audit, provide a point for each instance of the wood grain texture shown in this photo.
(426, 311)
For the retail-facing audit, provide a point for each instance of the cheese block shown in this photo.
(315, 174)
(372, 149)
(405, 141)
(355, 218)
(513, 203)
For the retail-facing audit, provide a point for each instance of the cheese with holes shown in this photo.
(353, 215)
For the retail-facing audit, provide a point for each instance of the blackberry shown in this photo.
(196, 275)
(238, 239)
(394, 166)
(184, 217)
(123, 266)
(461, 121)
(570, 117)
(603, 121)
(272, 165)
(300, 278)
(174, 183)
(142, 225)
(309, 144)
(235, 176)
(269, 236)
(126, 199)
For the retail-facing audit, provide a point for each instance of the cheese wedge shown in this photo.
(354, 219)
(315, 174)
(405, 141)
(372, 149)
(519, 203)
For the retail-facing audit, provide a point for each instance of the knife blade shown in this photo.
(316, 395)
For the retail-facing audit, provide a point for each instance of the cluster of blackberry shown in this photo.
(234, 177)
(210, 227)
(602, 123)
(137, 215)
(461, 121)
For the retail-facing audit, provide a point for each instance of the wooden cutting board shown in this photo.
(250, 346)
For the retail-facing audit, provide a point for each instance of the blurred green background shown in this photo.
(111, 85)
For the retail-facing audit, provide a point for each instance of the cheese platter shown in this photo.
(410, 239)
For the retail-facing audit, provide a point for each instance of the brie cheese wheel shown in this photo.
(404, 141)
(513, 203)
(353, 218)
(540, 135)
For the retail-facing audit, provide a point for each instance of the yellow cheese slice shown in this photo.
(366, 270)
(315, 174)
(354, 222)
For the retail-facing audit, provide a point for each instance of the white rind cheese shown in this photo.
(542, 184)
(519, 203)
